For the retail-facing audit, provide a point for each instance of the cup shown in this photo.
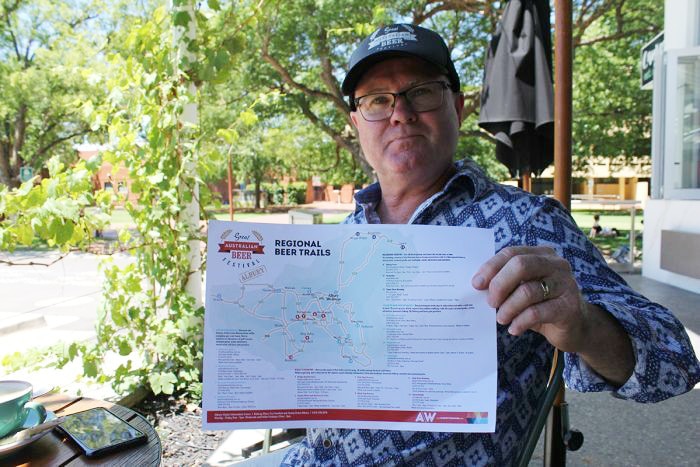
(15, 406)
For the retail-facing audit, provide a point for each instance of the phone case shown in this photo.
(107, 446)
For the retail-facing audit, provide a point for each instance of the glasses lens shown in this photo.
(426, 97)
(422, 98)
(376, 106)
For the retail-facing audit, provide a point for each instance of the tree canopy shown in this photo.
(48, 66)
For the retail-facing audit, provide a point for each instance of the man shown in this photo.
(549, 285)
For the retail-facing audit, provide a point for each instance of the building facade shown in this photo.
(672, 215)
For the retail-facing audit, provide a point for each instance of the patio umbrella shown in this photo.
(517, 93)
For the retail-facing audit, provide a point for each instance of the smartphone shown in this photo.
(98, 431)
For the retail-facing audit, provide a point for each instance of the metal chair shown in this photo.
(553, 412)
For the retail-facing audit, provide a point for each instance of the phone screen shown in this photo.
(98, 429)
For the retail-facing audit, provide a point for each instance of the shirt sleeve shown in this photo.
(665, 365)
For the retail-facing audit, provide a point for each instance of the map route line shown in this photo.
(341, 262)
(310, 313)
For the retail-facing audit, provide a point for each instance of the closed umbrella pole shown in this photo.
(562, 101)
(517, 97)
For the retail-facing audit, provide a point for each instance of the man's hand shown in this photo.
(533, 288)
(517, 278)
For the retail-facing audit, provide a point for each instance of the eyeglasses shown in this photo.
(422, 98)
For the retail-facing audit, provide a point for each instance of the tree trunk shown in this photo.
(6, 175)
(10, 148)
(18, 143)
(257, 193)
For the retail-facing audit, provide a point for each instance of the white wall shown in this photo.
(681, 24)
(667, 214)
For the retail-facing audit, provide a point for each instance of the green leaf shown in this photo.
(124, 236)
(93, 164)
(214, 5)
(159, 14)
(25, 188)
(72, 351)
(25, 234)
(221, 59)
(162, 383)
(182, 18)
(248, 117)
(62, 230)
(228, 134)
(234, 44)
(164, 345)
(124, 348)
(118, 317)
(55, 166)
(89, 368)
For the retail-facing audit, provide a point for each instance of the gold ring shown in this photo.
(545, 290)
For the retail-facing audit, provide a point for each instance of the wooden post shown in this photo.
(555, 449)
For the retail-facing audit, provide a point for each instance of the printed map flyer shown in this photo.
(348, 326)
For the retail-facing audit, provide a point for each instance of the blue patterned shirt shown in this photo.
(665, 362)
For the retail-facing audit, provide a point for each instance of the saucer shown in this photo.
(8, 445)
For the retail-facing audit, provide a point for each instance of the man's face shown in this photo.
(408, 146)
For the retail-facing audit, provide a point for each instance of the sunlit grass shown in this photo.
(121, 218)
(621, 220)
(240, 216)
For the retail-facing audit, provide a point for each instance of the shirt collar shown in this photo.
(468, 173)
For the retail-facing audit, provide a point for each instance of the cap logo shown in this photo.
(392, 37)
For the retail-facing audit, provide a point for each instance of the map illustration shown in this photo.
(310, 307)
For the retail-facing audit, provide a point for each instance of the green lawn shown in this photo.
(240, 216)
(252, 216)
(120, 218)
(584, 219)
(334, 218)
(621, 220)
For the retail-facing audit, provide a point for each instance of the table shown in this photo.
(54, 449)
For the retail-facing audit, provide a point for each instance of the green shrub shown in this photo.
(275, 192)
(296, 193)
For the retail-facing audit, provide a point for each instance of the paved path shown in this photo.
(623, 433)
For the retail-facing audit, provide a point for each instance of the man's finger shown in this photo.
(490, 268)
(533, 318)
(524, 269)
(524, 296)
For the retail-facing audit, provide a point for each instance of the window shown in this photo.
(682, 152)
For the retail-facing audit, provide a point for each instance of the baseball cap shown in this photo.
(399, 40)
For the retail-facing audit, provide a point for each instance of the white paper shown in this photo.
(348, 326)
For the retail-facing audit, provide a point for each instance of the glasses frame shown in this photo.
(404, 93)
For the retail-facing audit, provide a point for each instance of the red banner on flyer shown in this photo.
(398, 416)
(253, 247)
